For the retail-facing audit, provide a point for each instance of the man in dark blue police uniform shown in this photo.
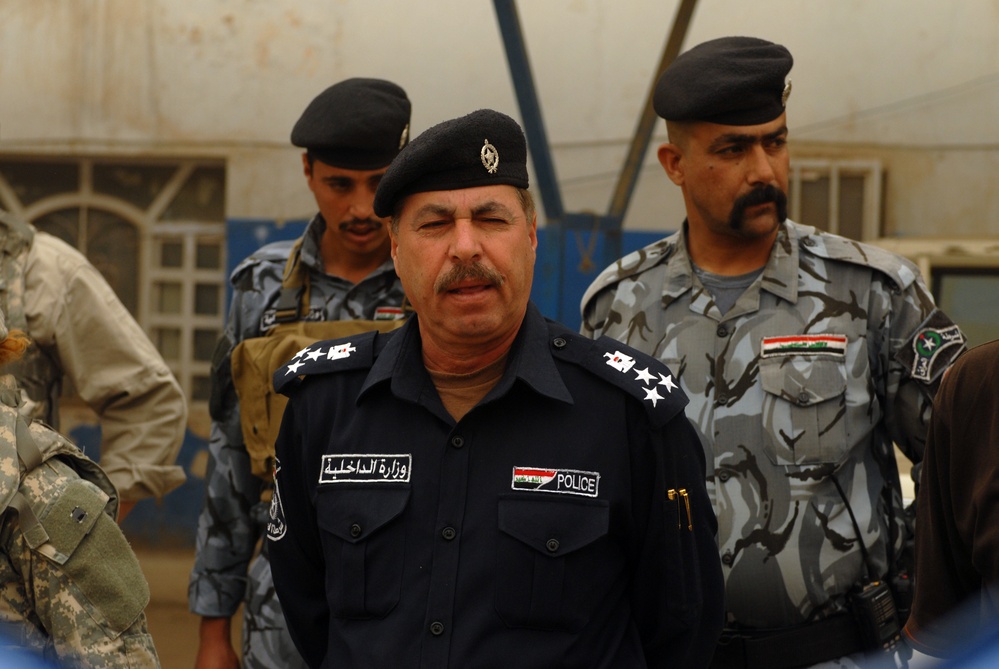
(484, 487)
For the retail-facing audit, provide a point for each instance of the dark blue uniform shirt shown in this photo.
(562, 522)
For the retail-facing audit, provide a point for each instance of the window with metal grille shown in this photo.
(838, 196)
(156, 231)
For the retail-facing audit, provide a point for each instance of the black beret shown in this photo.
(484, 148)
(730, 80)
(358, 124)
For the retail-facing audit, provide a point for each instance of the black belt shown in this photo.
(799, 646)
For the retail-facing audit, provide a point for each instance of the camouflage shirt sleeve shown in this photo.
(73, 587)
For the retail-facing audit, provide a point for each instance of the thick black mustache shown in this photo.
(762, 195)
(460, 273)
(360, 225)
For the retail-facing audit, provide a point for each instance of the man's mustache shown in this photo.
(757, 196)
(360, 226)
(458, 273)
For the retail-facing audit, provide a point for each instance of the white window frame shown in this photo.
(870, 170)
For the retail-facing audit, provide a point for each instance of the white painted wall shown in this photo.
(912, 82)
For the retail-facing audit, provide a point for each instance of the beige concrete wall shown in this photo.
(914, 83)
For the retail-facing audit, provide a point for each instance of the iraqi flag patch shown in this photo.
(823, 344)
(389, 313)
(562, 481)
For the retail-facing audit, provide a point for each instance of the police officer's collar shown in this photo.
(530, 360)
(780, 276)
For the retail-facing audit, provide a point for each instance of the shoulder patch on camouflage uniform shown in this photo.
(640, 375)
(632, 264)
(833, 247)
(326, 357)
(934, 346)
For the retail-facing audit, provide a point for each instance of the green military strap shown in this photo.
(31, 456)
(27, 449)
(31, 528)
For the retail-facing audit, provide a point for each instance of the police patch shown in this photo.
(367, 468)
(269, 317)
(927, 346)
(562, 481)
(823, 344)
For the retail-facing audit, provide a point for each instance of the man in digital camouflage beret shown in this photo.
(805, 356)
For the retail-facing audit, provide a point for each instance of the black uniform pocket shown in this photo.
(547, 554)
(364, 543)
(804, 407)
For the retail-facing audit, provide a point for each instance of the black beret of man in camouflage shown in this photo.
(805, 356)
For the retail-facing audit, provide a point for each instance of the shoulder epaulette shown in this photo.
(833, 247)
(632, 264)
(638, 374)
(329, 356)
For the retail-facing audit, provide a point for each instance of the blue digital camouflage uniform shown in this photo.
(71, 589)
(233, 517)
(832, 353)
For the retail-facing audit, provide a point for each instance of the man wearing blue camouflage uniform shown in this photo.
(805, 355)
(350, 133)
(72, 589)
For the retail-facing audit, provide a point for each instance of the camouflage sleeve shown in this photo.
(918, 343)
(594, 312)
(228, 531)
(73, 588)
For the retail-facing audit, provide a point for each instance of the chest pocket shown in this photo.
(547, 554)
(364, 544)
(804, 407)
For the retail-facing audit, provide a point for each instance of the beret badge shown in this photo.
(786, 94)
(490, 157)
(404, 137)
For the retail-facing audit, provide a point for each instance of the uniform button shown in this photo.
(722, 331)
(457, 442)
(808, 241)
(559, 342)
(449, 533)
(727, 559)
(721, 399)
(803, 398)
(552, 545)
(437, 628)
(724, 476)
(355, 530)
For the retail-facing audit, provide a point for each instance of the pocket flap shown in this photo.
(70, 518)
(803, 379)
(554, 527)
(354, 514)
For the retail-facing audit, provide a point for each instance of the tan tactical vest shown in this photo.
(255, 360)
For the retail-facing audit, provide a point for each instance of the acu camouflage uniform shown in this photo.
(783, 418)
(71, 588)
(234, 517)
